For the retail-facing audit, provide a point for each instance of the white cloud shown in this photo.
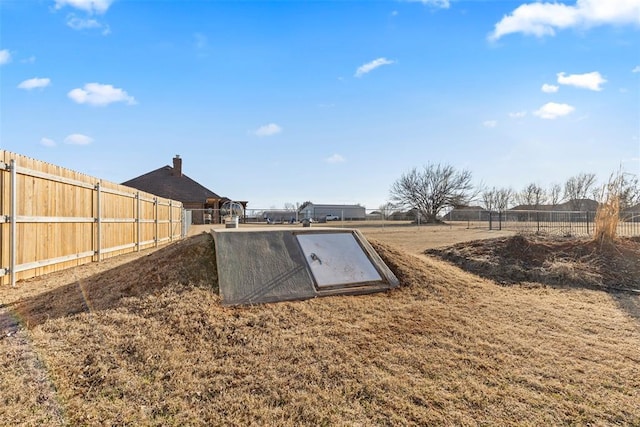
(79, 24)
(5, 56)
(370, 66)
(29, 60)
(89, 6)
(268, 130)
(490, 123)
(48, 142)
(636, 69)
(336, 158)
(543, 19)
(553, 110)
(436, 3)
(78, 139)
(518, 114)
(34, 83)
(547, 88)
(82, 24)
(99, 94)
(591, 81)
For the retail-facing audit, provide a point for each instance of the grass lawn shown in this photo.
(143, 340)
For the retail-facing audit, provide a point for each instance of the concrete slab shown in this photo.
(267, 265)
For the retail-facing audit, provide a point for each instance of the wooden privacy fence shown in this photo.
(52, 218)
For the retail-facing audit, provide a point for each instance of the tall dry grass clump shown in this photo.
(608, 213)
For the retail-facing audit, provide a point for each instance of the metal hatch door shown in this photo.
(337, 259)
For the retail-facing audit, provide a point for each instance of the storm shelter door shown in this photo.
(337, 260)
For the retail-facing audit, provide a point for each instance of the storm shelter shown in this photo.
(259, 265)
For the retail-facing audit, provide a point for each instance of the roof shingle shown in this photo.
(162, 182)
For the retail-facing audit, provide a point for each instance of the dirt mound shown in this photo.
(550, 260)
(189, 262)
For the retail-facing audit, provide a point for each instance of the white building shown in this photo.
(343, 212)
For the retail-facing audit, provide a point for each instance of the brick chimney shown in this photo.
(177, 165)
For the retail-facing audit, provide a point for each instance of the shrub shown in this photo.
(608, 214)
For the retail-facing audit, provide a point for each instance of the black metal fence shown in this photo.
(565, 223)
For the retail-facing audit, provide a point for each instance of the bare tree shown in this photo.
(303, 205)
(497, 199)
(578, 187)
(625, 186)
(386, 210)
(555, 194)
(532, 195)
(432, 189)
(630, 191)
(489, 198)
(503, 198)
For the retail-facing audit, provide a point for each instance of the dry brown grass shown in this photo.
(152, 346)
(608, 214)
(607, 219)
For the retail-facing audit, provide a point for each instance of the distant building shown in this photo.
(346, 212)
(169, 182)
(280, 215)
(579, 205)
(631, 214)
(573, 210)
(467, 213)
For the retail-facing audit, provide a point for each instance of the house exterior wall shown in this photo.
(197, 215)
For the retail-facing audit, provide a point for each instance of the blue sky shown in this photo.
(280, 102)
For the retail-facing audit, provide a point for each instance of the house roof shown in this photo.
(165, 183)
(571, 205)
(537, 208)
(469, 208)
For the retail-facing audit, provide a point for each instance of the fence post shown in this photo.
(14, 222)
(587, 215)
(171, 220)
(137, 221)
(155, 202)
(98, 222)
(183, 215)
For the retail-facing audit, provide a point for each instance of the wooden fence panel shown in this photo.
(64, 218)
